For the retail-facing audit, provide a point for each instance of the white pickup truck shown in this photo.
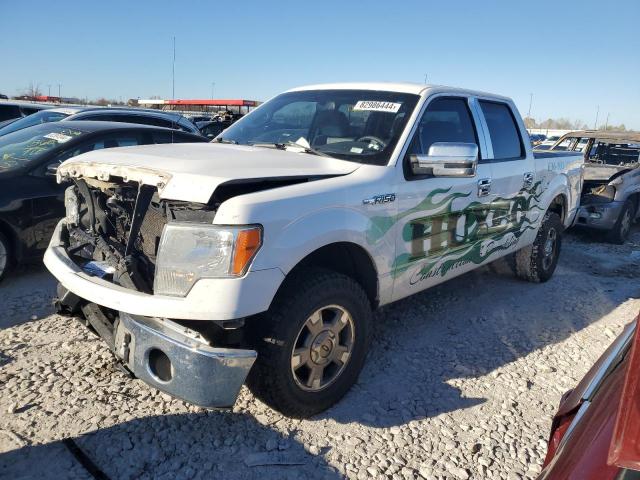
(262, 255)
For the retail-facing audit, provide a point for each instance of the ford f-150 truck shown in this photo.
(262, 255)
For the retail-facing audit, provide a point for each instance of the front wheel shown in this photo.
(538, 261)
(621, 229)
(5, 255)
(311, 344)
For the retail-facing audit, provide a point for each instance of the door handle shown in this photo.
(484, 187)
(527, 180)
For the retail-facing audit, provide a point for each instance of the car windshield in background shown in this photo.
(19, 149)
(43, 116)
(357, 125)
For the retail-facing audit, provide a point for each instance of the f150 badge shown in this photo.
(377, 199)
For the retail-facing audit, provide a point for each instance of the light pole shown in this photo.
(173, 71)
(595, 125)
(49, 94)
(530, 102)
(59, 96)
(606, 123)
(213, 86)
(426, 76)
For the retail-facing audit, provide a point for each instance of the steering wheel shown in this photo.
(374, 140)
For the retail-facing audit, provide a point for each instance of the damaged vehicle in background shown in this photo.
(265, 252)
(31, 201)
(595, 432)
(611, 191)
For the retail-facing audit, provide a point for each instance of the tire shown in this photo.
(537, 262)
(6, 256)
(621, 229)
(285, 381)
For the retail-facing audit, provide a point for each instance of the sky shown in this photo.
(573, 56)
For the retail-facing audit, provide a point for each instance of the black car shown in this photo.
(133, 115)
(212, 129)
(105, 114)
(10, 111)
(31, 202)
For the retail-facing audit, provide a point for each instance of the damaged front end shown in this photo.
(602, 196)
(112, 233)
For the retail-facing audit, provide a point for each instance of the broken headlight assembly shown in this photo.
(189, 252)
(71, 206)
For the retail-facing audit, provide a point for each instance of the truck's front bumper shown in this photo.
(209, 299)
(602, 216)
(180, 362)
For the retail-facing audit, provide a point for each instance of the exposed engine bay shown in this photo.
(114, 229)
(600, 180)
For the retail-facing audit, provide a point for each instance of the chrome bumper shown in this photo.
(179, 361)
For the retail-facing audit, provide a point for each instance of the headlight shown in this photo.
(189, 252)
(71, 207)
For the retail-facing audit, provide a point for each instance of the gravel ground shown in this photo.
(461, 382)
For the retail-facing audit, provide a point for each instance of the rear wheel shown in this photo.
(621, 229)
(538, 261)
(6, 258)
(311, 344)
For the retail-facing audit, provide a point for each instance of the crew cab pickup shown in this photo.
(260, 257)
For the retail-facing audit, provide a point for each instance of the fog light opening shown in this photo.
(160, 365)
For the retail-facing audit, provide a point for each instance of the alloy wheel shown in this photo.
(322, 348)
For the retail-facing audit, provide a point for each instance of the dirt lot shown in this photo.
(461, 382)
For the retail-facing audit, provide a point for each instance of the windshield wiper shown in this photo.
(283, 146)
(226, 140)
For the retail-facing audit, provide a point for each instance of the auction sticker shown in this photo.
(58, 137)
(376, 106)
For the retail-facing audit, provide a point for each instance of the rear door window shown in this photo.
(503, 131)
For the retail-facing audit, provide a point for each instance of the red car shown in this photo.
(596, 432)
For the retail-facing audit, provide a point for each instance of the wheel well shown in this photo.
(559, 206)
(349, 259)
(8, 232)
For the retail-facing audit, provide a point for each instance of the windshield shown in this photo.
(43, 116)
(357, 125)
(19, 149)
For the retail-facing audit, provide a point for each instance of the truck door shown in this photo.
(441, 220)
(513, 209)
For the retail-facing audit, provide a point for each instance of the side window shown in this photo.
(445, 120)
(503, 130)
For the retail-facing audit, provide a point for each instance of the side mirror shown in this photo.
(447, 159)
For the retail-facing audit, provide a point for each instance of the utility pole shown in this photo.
(595, 125)
(530, 102)
(213, 85)
(59, 96)
(49, 94)
(173, 71)
(606, 123)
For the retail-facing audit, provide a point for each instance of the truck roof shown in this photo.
(401, 87)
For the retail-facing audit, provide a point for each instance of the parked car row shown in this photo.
(15, 116)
